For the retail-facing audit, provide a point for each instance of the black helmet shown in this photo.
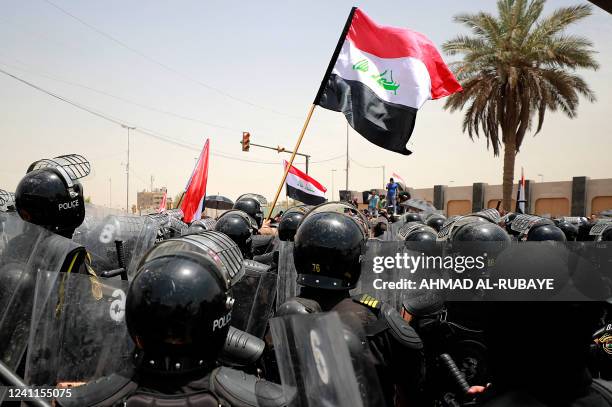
(178, 311)
(288, 225)
(251, 207)
(480, 231)
(412, 217)
(50, 196)
(569, 229)
(238, 226)
(545, 232)
(327, 250)
(422, 236)
(200, 225)
(435, 222)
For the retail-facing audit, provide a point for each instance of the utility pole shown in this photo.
(110, 192)
(332, 192)
(127, 170)
(347, 156)
(383, 184)
(152, 179)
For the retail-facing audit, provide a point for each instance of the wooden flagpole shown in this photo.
(317, 99)
(295, 150)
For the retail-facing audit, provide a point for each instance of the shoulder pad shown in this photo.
(243, 390)
(368, 301)
(252, 265)
(104, 392)
(400, 329)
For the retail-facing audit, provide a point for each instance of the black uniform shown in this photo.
(329, 245)
(221, 387)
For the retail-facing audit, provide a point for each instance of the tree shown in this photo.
(515, 67)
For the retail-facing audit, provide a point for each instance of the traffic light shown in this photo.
(246, 142)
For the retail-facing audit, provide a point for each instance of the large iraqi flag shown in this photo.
(380, 76)
(304, 188)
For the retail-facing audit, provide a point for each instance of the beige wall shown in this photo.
(546, 197)
(599, 192)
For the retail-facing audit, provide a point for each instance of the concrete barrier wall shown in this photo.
(553, 198)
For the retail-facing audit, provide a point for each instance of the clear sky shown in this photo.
(271, 55)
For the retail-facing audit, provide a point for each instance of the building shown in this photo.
(581, 196)
(149, 201)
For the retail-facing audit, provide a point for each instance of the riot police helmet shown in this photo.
(544, 232)
(252, 207)
(288, 225)
(178, 311)
(49, 195)
(238, 226)
(413, 217)
(480, 231)
(569, 229)
(435, 222)
(328, 248)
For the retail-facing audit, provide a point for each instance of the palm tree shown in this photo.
(515, 67)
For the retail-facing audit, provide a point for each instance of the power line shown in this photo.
(162, 65)
(147, 107)
(140, 129)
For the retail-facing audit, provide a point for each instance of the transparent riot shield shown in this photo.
(136, 234)
(371, 278)
(78, 330)
(287, 274)
(254, 298)
(314, 361)
(32, 250)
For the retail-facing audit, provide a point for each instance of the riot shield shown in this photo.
(136, 234)
(314, 361)
(287, 274)
(254, 297)
(78, 331)
(29, 251)
(370, 279)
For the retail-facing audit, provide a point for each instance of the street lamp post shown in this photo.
(332, 191)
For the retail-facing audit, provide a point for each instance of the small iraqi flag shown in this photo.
(303, 188)
(380, 76)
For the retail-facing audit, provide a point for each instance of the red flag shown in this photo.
(162, 205)
(196, 188)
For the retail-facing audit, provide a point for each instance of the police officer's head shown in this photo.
(328, 247)
(480, 230)
(435, 222)
(422, 235)
(413, 217)
(569, 230)
(178, 310)
(238, 226)
(288, 225)
(50, 196)
(251, 207)
(540, 233)
(199, 226)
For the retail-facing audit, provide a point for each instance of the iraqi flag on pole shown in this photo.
(520, 194)
(196, 188)
(303, 188)
(380, 76)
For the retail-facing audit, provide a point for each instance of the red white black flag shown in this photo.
(303, 188)
(380, 76)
